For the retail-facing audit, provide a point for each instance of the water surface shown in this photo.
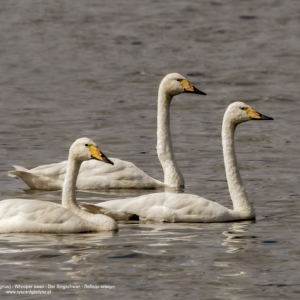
(71, 69)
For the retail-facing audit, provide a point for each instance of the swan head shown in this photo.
(240, 112)
(85, 149)
(175, 84)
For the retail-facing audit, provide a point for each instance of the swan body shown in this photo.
(19, 215)
(170, 207)
(92, 175)
(166, 207)
(123, 174)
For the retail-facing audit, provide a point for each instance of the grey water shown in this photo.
(92, 68)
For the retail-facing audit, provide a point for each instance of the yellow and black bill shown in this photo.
(254, 115)
(189, 88)
(96, 153)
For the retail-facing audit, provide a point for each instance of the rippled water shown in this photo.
(92, 68)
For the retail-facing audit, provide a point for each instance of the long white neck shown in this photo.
(69, 186)
(101, 222)
(237, 191)
(173, 177)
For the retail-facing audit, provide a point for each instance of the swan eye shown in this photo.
(178, 79)
(86, 145)
(242, 108)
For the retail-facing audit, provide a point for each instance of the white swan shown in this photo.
(123, 175)
(19, 215)
(169, 207)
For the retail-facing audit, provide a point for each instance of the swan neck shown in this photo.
(69, 186)
(172, 175)
(237, 191)
(97, 221)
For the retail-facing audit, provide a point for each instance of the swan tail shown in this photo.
(34, 181)
(116, 215)
(18, 172)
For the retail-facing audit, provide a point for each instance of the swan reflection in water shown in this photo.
(229, 269)
(236, 235)
(74, 255)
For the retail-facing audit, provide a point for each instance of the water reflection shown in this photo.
(236, 236)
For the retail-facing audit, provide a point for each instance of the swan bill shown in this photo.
(189, 88)
(97, 154)
(254, 115)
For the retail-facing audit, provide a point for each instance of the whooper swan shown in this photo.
(19, 215)
(169, 207)
(123, 175)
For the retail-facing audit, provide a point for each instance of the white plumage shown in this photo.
(170, 207)
(124, 174)
(93, 175)
(164, 207)
(20, 215)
